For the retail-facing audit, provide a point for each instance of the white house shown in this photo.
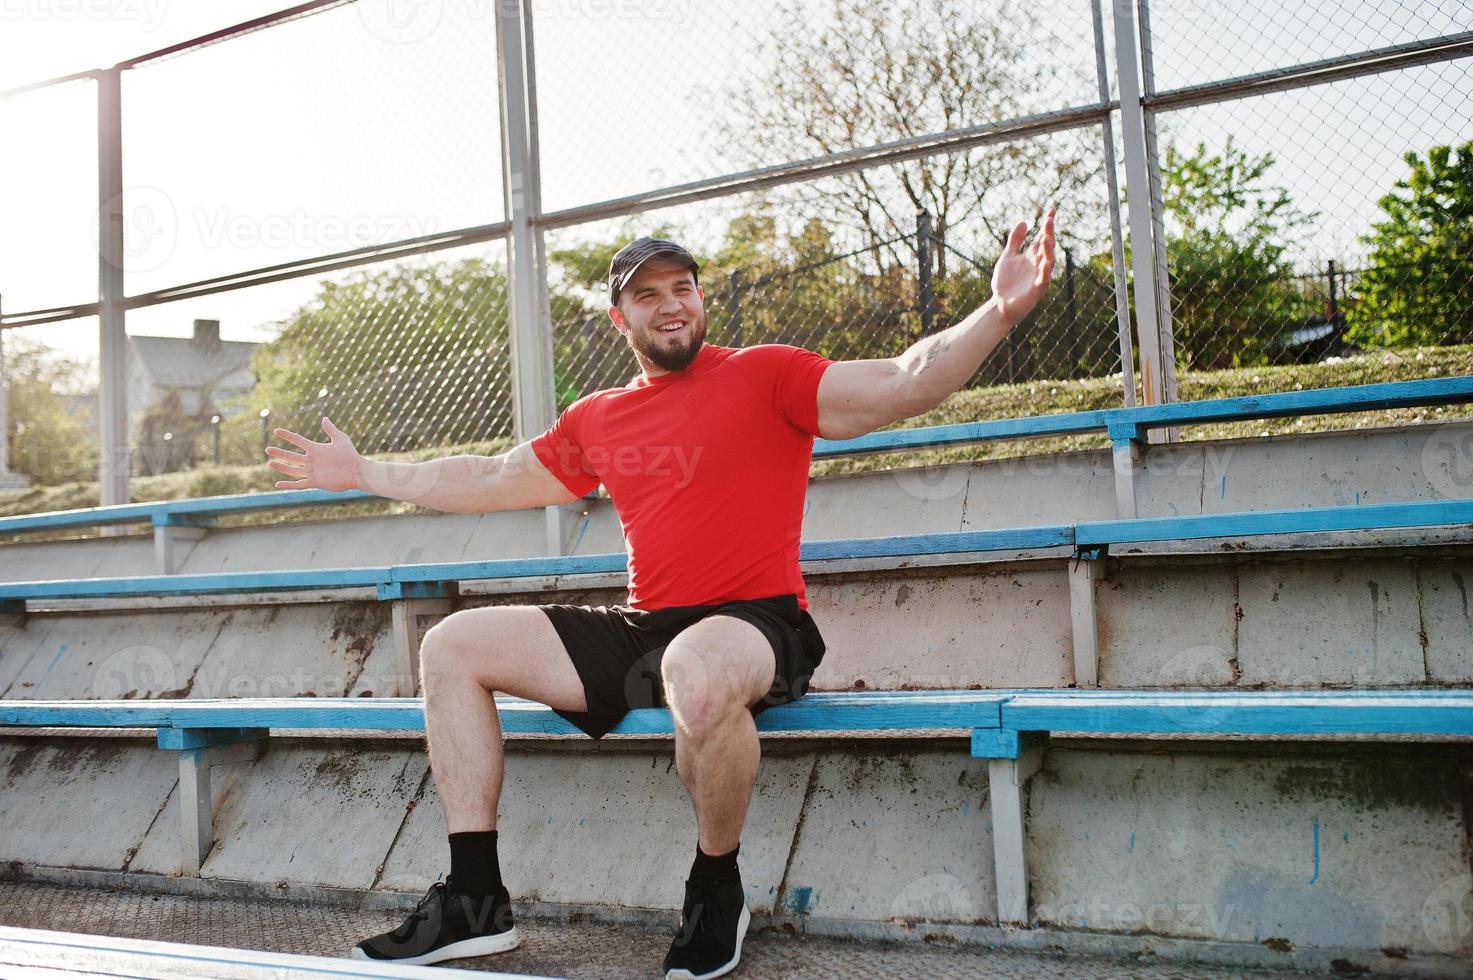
(207, 372)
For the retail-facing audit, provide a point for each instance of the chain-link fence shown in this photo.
(315, 218)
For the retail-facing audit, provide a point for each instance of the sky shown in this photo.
(378, 120)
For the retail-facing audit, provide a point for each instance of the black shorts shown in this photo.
(617, 652)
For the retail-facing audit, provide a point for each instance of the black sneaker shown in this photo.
(712, 925)
(446, 926)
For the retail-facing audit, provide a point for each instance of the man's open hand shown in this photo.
(331, 465)
(1020, 277)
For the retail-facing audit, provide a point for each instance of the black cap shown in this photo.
(629, 258)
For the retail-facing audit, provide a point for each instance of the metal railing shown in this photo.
(845, 187)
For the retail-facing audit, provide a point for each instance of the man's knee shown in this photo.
(465, 643)
(702, 695)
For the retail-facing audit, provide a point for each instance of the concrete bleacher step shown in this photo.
(43, 953)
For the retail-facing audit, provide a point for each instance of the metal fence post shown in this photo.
(8, 480)
(533, 400)
(1117, 238)
(1138, 184)
(1158, 222)
(114, 464)
(925, 295)
(734, 290)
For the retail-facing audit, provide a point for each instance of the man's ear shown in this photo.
(700, 292)
(617, 315)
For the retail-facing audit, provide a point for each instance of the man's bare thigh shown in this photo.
(515, 650)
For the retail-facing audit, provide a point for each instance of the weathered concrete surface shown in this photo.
(1168, 625)
(614, 822)
(161, 849)
(1341, 847)
(1307, 624)
(894, 834)
(1358, 846)
(942, 629)
(1233, 619)
(267, 651)
(1444, 586)
(325, 816)
(80, 803)
(28, 560)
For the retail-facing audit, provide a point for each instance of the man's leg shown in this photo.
(714, 671)
(464, 659)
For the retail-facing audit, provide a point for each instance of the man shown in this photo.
(705, 456)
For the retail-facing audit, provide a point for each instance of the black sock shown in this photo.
(473, 863)
(719, 867)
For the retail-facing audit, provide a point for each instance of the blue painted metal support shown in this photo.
(395, 591)
(1005, 743)
(1423, 513)
(204, 738)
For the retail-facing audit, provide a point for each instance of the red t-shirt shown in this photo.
(707, 468)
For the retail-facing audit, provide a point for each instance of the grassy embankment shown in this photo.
(1005, 401)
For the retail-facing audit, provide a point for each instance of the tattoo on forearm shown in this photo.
(937, 348)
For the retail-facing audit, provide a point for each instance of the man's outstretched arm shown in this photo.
(455, 484)
(855, 397)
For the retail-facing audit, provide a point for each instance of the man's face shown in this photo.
(661, 316)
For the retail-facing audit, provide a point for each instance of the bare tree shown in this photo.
(863, 72)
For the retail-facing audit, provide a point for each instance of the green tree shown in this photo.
(400, 358)
(1227, 231)
(51, 439)
(1418, 288)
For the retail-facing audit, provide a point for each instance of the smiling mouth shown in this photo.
(671, 327)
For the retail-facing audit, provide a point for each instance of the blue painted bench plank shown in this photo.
(866, 711)
(206, 584)
(954, 542)
(1427, 513)
(893, 440)
(1244, 713)
(1314, 401)
(150, 512)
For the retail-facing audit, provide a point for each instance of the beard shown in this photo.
(669, 356)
